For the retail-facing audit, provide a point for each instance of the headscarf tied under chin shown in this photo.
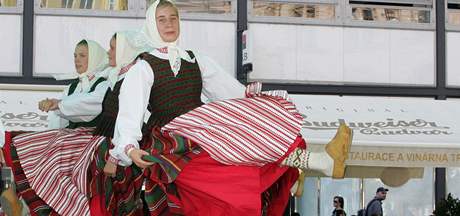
(129, 44)
(154, 39)
(97, 62)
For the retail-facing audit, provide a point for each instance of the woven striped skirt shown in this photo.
(58, 171)
(237, 172)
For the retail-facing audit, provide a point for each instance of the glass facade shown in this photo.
(116, 5)
(380, 14)
(203, 6)
(8, 3)
(301, 10)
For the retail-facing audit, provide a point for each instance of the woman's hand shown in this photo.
(54, 104)
(48, 104)
(110, 169)
(136, 156)
(43, 105)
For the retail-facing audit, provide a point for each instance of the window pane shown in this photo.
(8, 3)
(453, 12)
(413, 198)
(347, 188)
(454, 17)
(202, 6)
(452, 176)
(86, 4)
(61, 33)
(391, 14)
(10, 43)
(310, 11)
(307, 204)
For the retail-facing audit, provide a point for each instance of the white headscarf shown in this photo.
(129, 44)
(97, 61)
(153, 37)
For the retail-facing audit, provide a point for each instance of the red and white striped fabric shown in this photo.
(247, 131)
(55, 163)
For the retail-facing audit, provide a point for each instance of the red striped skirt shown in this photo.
(69, 171)
(55, 164)
(239, 173)
(247, 131)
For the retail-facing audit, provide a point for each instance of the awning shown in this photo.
(391, 135)
(397, 132)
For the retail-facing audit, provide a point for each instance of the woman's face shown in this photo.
(167, 21)
(81, 58)
(112, 53)
(336, 202)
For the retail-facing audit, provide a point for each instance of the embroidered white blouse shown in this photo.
(135, 92)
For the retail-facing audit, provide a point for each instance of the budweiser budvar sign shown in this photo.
(400, 132)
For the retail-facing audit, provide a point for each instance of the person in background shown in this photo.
(374, 207)
(339, 205)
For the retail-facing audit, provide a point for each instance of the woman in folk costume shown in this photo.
(80, 103)
(52, 168)
(116, 189)
(240, 160)
(81, 100)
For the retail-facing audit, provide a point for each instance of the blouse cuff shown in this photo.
(129, 148)
(113, 160)
(253, 89)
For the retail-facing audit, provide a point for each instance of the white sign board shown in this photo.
(19, 109)
(399, 132)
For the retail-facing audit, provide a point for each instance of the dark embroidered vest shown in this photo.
(172, 96)
(93, 122)
(108, 116)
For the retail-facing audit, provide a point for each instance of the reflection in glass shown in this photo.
(411, 199)
(391, 15)
(308, 203)
(311, 11)
(8, 3)
(86, 4)
(347, 188)
(202, 6)
(453, 17)
(452, 176)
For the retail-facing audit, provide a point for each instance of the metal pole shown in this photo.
(242, 25)
(440, 173)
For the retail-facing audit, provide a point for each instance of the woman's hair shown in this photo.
(341, 201)
(166, 3)
(114, 36)
(82, 43)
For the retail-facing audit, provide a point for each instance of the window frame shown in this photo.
(298, 20)
(350, 22)
(13, 10)
(133, 8)
(344, 16)
(451, 27)
(232, 17)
